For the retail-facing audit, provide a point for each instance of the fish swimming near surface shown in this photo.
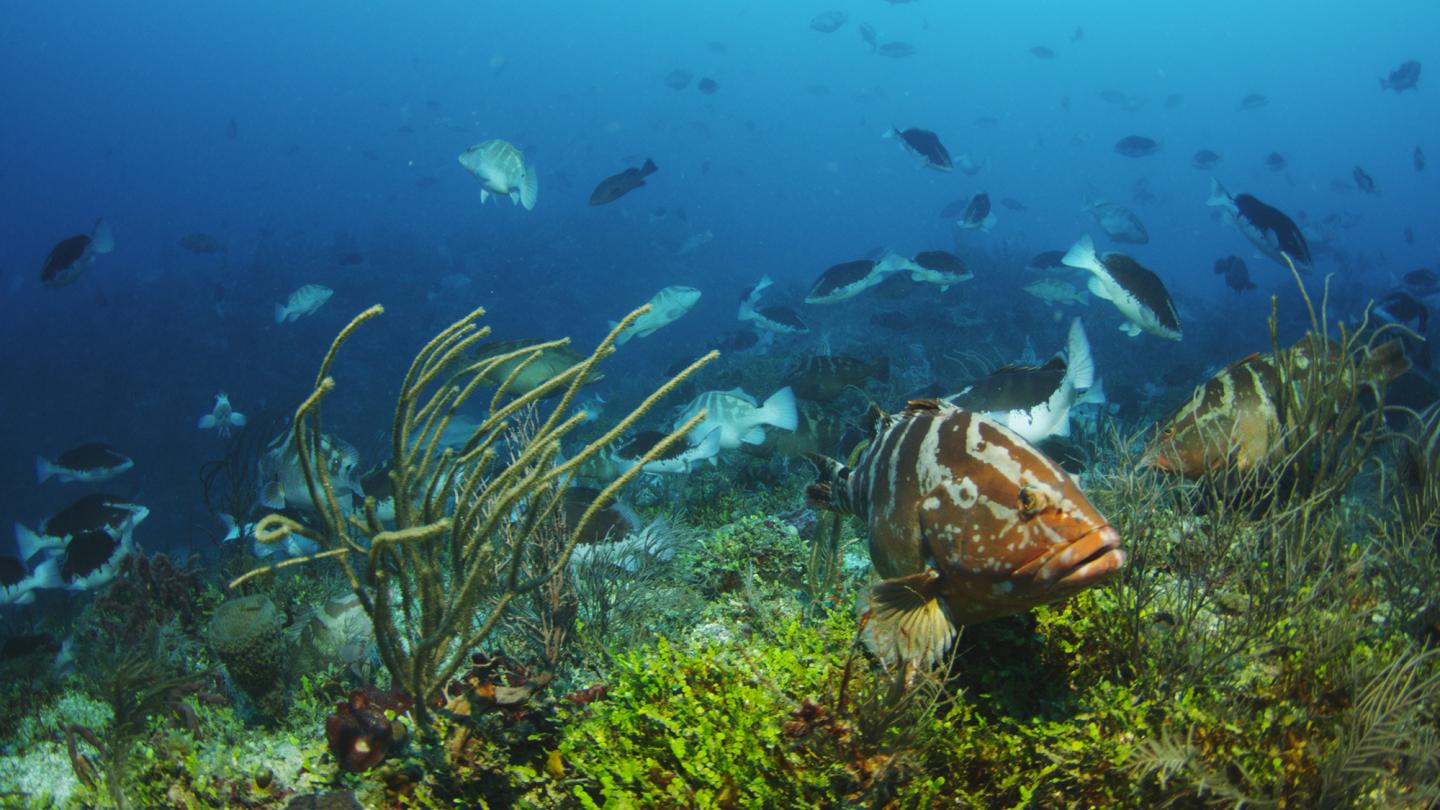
(1363, 180)
(978, 215)
(1136, 146)
(502, 170)
(778, 319)
(222, 417)
(1204, 159)
(967, 522)
(848, 279)
(1418, 159)
(88, 463)
(1402, 78)
(923, 144)
(737, 417)
(1237, 275)
(708, 86)
(1275, 161)
(18, 585)
(828, 22)
(666, 307)
(1035, 401)
(73, 255)
(1267, 228)
(824, 377)
(1137, 292)
(1118, 222)
(201, 243)
(302, 302)
(1253, 101)
(616, 186)
(1014, 204)
(1042, 52)
(1233, 420)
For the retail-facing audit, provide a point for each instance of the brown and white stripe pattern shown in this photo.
(953, 491)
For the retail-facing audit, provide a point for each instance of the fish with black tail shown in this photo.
(616, 186)
(967, 522)
(924, 145)
(1267, 227)
(73, 255)
(1137, 292)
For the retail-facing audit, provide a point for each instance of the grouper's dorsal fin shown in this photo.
(876, 421)
(1247, 359)
(923, 406)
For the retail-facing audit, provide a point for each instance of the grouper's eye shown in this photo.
(1167, 433)
(1032, 501)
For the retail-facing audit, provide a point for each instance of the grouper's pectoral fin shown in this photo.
(909, 620)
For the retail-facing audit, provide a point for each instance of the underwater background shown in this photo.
(239, 152)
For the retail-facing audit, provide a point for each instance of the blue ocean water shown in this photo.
(296, 133)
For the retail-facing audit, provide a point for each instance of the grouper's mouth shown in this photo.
(1094, 557)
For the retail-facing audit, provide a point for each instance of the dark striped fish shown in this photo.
(967, 522)
(1232, 421)
(823, 377)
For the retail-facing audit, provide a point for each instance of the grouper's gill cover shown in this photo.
(967, 522)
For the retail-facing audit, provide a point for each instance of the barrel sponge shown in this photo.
(246, 634)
